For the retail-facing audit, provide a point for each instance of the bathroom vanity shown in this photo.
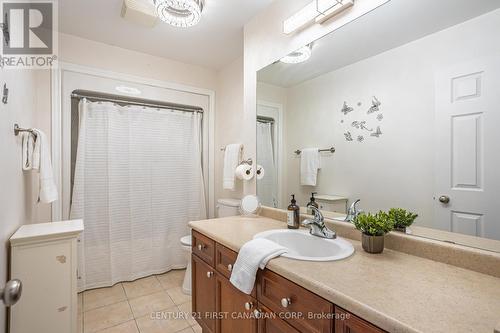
(275, 305)
(393, 291)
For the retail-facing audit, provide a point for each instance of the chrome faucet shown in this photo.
(317, 225)
(353, 211)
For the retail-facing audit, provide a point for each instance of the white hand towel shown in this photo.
(47, 187)
(309, 166)
(253, 255)
(232, 157)
(28, 147)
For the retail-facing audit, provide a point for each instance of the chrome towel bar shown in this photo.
(331, 150)
(18, 129)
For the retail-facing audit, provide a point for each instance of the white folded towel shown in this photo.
(232, 157)
(253, 255)
(41, 161)
(309, 166)
(28, 141)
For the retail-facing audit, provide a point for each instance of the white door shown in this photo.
(468, 148)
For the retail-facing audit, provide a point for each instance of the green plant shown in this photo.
(374, 224)
(401, 217)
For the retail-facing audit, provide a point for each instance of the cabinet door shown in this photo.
(348, 323)
(269, 322)
(49, 296)
(235, 309)
(203, 298)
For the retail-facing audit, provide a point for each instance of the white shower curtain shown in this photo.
(267, 186)
(138, 182)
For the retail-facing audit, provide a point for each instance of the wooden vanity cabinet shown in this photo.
(236, 308)
(269, 322)
(294, 303)
(203, 293)
(352, 324)
(276, 305)
(203, 247)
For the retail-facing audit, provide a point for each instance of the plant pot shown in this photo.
(400, 229)
(372, 244)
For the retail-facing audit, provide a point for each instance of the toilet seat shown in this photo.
(186, 240)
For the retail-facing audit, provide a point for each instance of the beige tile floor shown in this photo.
(153, 304)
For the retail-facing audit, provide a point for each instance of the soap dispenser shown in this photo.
(312, 203)
(293, 216)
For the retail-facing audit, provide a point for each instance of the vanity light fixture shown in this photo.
(298, 56)
(317, 11)
(329, 9)
(180, 13)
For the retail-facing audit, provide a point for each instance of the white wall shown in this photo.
(85, 52)
(228, 123)
(397, 169)
(16, 200)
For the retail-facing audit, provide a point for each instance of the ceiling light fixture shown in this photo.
(296, 57)
(179, 13)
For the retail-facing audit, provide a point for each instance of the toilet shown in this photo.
(224, 208)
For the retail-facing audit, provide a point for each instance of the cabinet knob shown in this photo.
(248, 306)
(230, 267)
(200, 247)
(210, 274)
(257, 313)
(285, 302)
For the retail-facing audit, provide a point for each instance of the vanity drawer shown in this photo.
(294, 303)
(203, 247)
(347, 322)
(224, 260)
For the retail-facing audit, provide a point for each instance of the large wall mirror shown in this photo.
(406, 114)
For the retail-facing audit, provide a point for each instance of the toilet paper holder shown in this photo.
(247, 162)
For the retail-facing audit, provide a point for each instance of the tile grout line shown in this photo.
(127, 299)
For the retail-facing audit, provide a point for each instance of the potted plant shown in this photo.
(373, 227)
(401, 218)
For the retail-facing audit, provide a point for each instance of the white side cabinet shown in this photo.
(44, 258)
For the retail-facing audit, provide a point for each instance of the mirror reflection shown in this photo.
(401, 116)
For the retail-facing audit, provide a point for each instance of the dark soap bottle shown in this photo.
(293, 217)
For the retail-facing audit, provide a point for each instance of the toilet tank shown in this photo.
(228, 207)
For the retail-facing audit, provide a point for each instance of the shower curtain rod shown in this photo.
(124, 101)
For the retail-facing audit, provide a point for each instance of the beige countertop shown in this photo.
(395, 291)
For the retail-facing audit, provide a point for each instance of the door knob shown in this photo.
(12, 292)
(210, 274)
(444, 199)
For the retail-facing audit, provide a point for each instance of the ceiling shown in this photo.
(216, 41)
(395, 23)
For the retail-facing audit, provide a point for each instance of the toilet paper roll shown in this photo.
(260, 172)
(244, 172)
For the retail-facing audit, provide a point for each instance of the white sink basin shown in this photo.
(304, 246)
